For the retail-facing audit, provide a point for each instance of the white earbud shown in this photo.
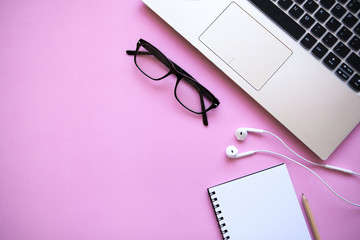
(233, 152)
(241, 133)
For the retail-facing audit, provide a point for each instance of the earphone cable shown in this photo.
(278, 138)
(322, 180)
(317, 164)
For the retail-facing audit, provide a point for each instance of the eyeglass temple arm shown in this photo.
(182, 70)
(204, 116)
(132, 53)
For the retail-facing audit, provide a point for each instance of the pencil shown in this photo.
(310, 218)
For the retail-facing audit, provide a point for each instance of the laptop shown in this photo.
(299, 59)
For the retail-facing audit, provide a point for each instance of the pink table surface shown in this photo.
(92, 149)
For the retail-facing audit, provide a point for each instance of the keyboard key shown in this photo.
(308, 41)
(311, 6)
(349, 20)
(319, 50)
(354, 61)
(329, 39)
(333, 24)
(347, 69)
(344, 34)
(327, 3)
(355, 43)
(300, 1)
(281, 18)
(355, 82)
(357, 29)
(321, 15)
(318, 30)
(342, 75)
(338, 10)
(307, 21)
(341, 50)
(296, 11)
(285, 4)
(331, 61)
(353, 5)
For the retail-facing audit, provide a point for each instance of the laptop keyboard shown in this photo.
(329, 29)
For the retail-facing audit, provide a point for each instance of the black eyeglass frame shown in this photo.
(180, 73)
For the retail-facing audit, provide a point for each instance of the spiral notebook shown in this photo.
(262, 205)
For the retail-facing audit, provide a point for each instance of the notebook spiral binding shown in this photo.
(219, 217)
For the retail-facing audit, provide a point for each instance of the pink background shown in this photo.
(92, 149)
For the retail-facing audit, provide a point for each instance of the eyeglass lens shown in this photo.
(150, 65)
(189, 96)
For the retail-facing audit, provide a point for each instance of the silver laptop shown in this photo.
(298, 59)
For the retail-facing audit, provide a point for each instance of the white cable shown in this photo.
(322, 180)
(317, 164)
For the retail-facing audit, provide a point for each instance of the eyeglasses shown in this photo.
(188, 92)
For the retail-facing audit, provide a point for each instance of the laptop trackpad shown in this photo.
(245, 45)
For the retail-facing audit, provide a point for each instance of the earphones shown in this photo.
(241, 134)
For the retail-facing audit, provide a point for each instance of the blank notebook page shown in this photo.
(262, 205)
